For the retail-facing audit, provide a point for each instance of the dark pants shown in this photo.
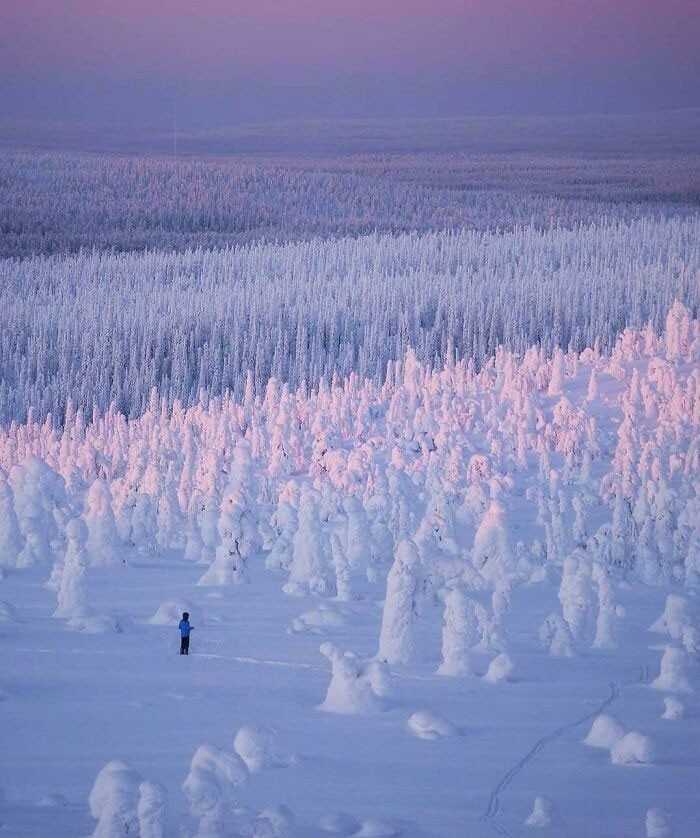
(184, 645)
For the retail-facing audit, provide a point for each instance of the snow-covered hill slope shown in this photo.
(458, 603)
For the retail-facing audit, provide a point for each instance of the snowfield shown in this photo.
(456, 603)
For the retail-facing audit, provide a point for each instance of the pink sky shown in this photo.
(612, 44)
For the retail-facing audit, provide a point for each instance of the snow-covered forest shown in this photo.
(477, 573)
(103, 329)
(414, 439)
(147, 202)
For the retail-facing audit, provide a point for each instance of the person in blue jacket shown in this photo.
(185, 629)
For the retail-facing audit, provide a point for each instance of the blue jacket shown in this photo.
(185, 628)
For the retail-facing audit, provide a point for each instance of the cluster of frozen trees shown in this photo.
(407, 489)
(102, 329)
(137, 203)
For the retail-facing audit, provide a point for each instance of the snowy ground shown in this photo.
(74, 701)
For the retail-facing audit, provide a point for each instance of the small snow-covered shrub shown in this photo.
(604, 733)
(351, 690)
(657, 824)
(317, 620)
(673, 709)
(428, 725)
(542, 813)
(277, 822)
(339, 823)
(256, 747)
(210, 786)
(555, 636)
(114, 801)
(674, 619)
(632, 749)
(170, 613)
(672, 677)
(500, 669)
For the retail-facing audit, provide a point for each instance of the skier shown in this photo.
(185, 629)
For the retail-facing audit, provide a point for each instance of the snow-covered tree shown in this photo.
(396, 642)
(71, 593)
(103, 543)
(460, 632)
(310, 567)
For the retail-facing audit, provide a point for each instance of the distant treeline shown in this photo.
(103, 328)
(60, 203)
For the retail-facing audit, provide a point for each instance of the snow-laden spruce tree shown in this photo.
(210, 789)
(341, 565)
(607, 610)
(194, 545)
(40, 504)
(460, 632)
(403, 585)
(491, 553)
(114, 801)
(229, 565)
(11, 540)
(71, 594)
(144, 524)
(576, 596)
(169, 520)
(237, 527)
(104, 546)
(358, 547)
(310, 569)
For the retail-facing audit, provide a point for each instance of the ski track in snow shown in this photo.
(494, 805)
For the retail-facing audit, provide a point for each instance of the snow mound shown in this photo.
(100, 624)
(256, 747)
(316, 620)
(657, 824)
(632, 749)
(427, 725)
(277, 822)
(356, 687)
(339, 823)
(372, 828)
(542, 813)
(170, 613)
(500, 669)
(52, 801)
(672, 677)
(604, 733)
(673, 709)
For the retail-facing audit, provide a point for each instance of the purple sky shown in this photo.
(227, 62)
